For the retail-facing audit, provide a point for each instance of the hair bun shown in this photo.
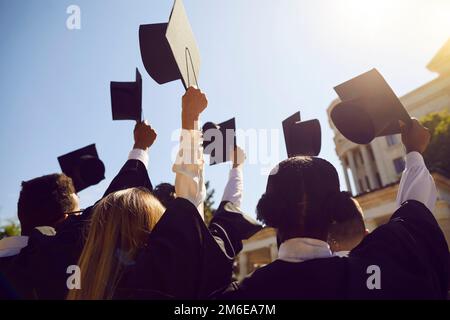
(267, 211)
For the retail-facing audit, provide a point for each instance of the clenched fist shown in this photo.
(144, 136)
(193, 103)
(415, 137)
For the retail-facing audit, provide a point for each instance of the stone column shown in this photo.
(368, 168)
(347, 180)
(351, 162)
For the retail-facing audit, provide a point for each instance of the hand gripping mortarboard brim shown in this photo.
(126, 99)
(169, 51)
(83, 166)
(302, 138)
(369, 108)
(219, 140)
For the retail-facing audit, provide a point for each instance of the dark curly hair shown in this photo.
(43, 201)
(298, 201)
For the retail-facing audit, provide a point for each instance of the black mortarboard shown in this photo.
(302, 138)
(126, 99)
(83, 166)
(169, 50)
(368, 108)
(219, 140)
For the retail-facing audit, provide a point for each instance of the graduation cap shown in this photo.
(368, 108)
(83, 166)
(126, 99)
(302, 138)
(169, 50)
(219, 140)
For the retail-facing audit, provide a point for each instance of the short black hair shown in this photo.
(43, 201)
(165, 192)
(347, 224)
(296, 201)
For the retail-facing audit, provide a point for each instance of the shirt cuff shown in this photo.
(236, 172)
(139, 154)
(414, 159)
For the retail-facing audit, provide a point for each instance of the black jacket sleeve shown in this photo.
(133, 174)
(230, 226)
(413, 241)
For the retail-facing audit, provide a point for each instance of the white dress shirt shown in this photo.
(188, 168)
(234, 189)
(416, 182)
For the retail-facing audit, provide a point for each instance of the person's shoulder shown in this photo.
(413, 210)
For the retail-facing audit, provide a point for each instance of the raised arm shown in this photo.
(189, 163)
(416, 182)
(134, 172)
(234, 189)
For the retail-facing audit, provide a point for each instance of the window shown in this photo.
(399, 165)
(379, 180)
(391, 140)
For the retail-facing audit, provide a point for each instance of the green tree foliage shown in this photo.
(437, 155)
(11, 228)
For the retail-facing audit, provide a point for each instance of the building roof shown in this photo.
(441, 61)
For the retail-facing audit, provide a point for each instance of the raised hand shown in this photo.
(193, 104)
(238, 156)
(144, 136)
(415, 137)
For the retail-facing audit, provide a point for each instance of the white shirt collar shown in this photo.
(341, 254)
(11, 246)
(303, 249)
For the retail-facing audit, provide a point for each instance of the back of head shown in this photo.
(119, 227)
(165, 192)
(295, 201)
(44, 201)
(347, 228)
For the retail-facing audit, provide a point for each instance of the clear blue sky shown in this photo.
(261, 61)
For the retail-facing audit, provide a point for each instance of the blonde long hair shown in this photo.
(119, 226)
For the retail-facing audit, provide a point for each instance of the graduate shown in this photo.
(407, 258)
(44, 203)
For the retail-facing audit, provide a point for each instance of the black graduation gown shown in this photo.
(13, 280)
(410, 251)
(230, 226)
